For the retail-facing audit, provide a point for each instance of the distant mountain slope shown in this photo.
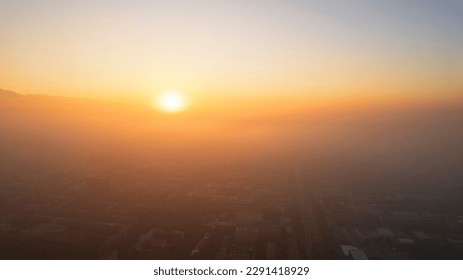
(7, 93)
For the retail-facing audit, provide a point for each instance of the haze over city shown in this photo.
(231, 129)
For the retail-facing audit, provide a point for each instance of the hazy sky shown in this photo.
(226, 49)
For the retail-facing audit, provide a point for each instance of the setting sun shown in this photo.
(171, 101)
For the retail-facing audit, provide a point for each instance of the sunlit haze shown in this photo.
(231, 129)
(171, 101)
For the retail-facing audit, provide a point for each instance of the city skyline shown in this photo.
(231, 130)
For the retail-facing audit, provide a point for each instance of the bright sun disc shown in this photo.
(171, 101)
